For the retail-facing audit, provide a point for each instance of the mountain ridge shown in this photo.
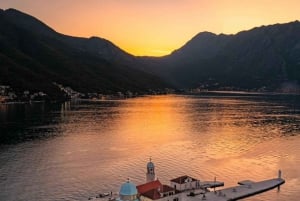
(35, 56)
(29, 22)
(262, 57)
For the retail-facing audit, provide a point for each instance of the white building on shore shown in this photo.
(184, 183)
(186, 188)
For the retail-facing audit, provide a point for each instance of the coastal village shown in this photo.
(8, 94)
(186, 188)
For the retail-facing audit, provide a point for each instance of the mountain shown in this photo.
(33, 57)
(266, 57)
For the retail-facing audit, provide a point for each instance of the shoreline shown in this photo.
(116, 98)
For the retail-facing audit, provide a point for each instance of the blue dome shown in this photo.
(128, 188)
(150, 165)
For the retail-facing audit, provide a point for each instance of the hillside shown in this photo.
(266, 57)
(33, 56)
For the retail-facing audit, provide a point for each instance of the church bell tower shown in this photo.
(150, 175)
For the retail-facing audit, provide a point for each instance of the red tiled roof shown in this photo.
(148, 186)
(154, 194)
(182, 179)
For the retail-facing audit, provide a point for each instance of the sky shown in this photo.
(155, 27)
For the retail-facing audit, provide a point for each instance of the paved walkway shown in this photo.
(248, 189)
(238, 192)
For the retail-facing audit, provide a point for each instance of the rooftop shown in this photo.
(183, 179)
(155, 194)
(148, 186)
(128, 188)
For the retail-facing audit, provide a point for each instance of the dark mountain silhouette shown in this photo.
(265, 57)
(33, 56)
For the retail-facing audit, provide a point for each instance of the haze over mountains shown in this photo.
(33, 56)
(267, 57)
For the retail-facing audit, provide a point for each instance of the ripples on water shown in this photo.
(76, 150)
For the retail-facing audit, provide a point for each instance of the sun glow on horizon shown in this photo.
(155, 28)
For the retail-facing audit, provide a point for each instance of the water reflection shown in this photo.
(17, 119)
(95, 146)
(151, 123)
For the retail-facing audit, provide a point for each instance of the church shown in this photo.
(189, 189)
(153, 189)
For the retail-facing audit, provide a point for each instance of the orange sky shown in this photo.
(155, 27)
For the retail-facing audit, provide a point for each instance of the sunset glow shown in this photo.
(155, 27)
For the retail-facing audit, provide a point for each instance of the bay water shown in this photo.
(75, 150)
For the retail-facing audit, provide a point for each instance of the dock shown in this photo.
(211, 184)
(194, 191)
(244, 189)
(247, 189)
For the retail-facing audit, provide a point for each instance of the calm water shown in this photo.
(72, 151)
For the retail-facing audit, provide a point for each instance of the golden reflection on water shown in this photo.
(150, 123)
(99, 144)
